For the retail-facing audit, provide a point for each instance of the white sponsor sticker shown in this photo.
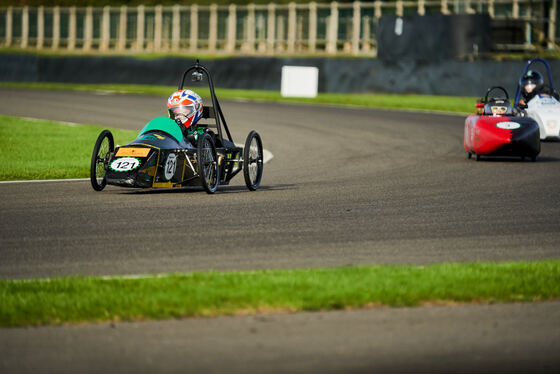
(508, 125)
(125, 164)
(170, 166)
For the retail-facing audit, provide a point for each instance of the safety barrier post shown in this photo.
(193, 44)
(9, 25)
(213, 34)
(271, 28)
(231, 28)
(312, 27)
(88, 28)
(24, 27)
(40, 27)
(291, 27)
(399, 9)
(250, 29)
(56, 28)
(356, 20)
(552, 25)
(421, 10)
(515, 9)
(332, 29)
(157, 28)
(140, 19)
(444, 7)
(72, 28)
(105, 28)
(122, 27)
(377, 7)
(176, 28)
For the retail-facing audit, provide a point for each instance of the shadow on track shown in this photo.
(222, 189)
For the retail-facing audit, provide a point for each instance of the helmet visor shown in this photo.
(498, 110)
(182, 112)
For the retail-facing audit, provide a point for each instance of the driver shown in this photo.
(185, 108)
(531, 84)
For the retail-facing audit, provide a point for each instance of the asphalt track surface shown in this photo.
(346, 186)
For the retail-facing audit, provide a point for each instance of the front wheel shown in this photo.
(253, 160)
(102, 150)
(207, 159)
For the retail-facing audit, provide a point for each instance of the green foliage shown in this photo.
(33, 149)
(78, 299)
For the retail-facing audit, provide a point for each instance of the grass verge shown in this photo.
(37, 149)
(450, 104)
(81, 299)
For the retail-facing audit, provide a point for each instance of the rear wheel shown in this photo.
(207, 160)
(469, 155)
(253, 160)
(102, 150)
(477, 157)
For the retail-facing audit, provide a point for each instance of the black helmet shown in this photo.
(530, 78)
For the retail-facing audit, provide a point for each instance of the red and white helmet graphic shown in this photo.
(186, 106)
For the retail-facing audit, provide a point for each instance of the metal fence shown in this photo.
(310, 28)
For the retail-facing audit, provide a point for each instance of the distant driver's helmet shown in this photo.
(185, 106)
(498, 107)
(531, 82)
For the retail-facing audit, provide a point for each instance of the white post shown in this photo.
(231, 28)
(491, 8)
(140, 19)
(176, 28)
(356, 24)
(377, 7)
(194, 28)
(158, 28)
(56, 27)
(72, 29)
(332, 29)
(40, 27)
(25, 27)
(366, 43)
(9, 25)
(250, 28)
(515, 9)
(105, 28)
(399, 8)
(122, 27)
(312, 27)
(421, 7)
(271, 35)
(291, 27)
(444, 8)
(552, 25)
(88, 28)
(213, 32)
(280, 32)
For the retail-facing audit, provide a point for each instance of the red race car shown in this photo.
(496, 131)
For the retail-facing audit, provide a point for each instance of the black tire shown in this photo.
(477, 157)
(207, 163)
(253, 160)
(469, 155)
(104, 146)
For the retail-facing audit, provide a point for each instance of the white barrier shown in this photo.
(299, 81)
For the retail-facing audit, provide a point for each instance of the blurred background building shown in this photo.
(269, 28)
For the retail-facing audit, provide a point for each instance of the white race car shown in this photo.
(543, 107)
(545, 110)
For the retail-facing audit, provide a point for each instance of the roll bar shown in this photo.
(198, 71)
